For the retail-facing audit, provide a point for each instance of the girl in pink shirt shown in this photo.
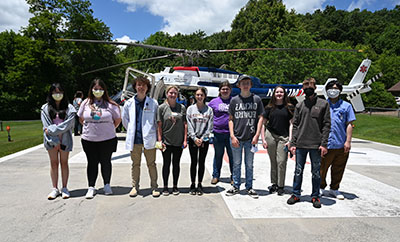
(99, 116)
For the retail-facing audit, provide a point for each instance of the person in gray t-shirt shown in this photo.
(245, 121)
(172, 131)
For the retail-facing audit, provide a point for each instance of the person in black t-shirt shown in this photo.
(275, 136)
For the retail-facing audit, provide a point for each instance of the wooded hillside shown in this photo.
(33, 59)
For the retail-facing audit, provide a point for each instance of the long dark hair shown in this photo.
(52, 107)
(204, 91)
(105, 97)
(286, 102)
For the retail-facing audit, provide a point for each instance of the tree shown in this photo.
(389, 63)
(36, 59)
(258, 24)
(20, 88)
(379, 97)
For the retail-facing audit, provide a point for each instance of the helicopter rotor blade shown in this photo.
(282, 49)
(154, 47)
(128, 63)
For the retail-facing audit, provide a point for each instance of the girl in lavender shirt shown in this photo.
(57, 116)
(99, 116)
(220, 106)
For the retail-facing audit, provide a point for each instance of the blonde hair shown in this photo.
(169, 88)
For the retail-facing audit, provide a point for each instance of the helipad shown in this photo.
(365, 197)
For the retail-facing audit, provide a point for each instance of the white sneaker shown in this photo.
(90, 193)
(107, 189)
(336, 194)
(65, 193)
(323, 192)
(53, 194)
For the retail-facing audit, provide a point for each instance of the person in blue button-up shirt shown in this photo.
(339, 141)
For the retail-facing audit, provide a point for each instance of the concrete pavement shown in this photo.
(370, 212)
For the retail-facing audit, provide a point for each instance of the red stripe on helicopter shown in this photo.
(300, 93)
(186, 68)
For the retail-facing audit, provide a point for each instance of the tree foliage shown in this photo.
(33, 59)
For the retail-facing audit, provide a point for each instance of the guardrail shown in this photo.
(383, 111)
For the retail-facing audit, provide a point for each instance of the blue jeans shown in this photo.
(237, 163)
(220, 142)
(315, 156)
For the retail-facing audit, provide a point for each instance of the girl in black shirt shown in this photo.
(275, 135)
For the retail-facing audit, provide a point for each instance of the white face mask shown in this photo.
(333, 93)
(98, 93)
(57, 96)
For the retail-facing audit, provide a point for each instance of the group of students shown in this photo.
(234, 123)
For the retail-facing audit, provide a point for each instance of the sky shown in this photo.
(136, 20)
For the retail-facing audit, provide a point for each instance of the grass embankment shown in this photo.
(24, 134)
(384, 129)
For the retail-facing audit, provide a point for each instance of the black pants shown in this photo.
(78, 125)
(175, 152)
(197, 156)
(99, 152)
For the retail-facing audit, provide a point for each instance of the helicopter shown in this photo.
(191, 77)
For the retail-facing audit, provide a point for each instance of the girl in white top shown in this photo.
(58, 120)
(200, 124)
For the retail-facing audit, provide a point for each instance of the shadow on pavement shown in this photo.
(121, 156)
(360, 142)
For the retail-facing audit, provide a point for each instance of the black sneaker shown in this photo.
(200, 189)
(232, 191)
(273, 188)
(193, 189)
(252, 193)
(292, 200)
(281, 191)
(165, 191)
(175, 191)
(316, 202)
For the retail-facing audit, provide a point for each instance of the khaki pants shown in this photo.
(136, 156)
(278, 157)
(337, 159)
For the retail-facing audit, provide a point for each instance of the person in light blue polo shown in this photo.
(339, 141)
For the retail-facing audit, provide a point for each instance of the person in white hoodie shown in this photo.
(139, 117)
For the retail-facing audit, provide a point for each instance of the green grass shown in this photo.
(24, 134)
(384, 129)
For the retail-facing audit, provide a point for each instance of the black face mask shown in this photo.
(309, 91)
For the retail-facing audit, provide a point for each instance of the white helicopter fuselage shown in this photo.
(190, 78)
